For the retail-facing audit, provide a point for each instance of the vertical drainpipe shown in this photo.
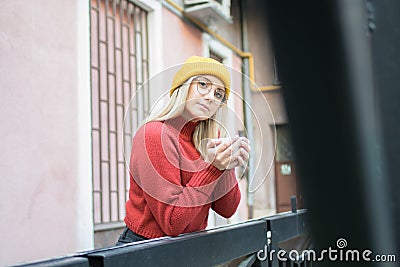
(247, 104)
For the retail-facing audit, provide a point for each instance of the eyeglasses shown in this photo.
(204, 86)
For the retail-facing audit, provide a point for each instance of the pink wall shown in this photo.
(180, 40)
(45, 192)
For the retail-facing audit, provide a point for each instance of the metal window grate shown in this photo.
(119, 67)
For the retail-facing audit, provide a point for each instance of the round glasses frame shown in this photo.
(204, 86)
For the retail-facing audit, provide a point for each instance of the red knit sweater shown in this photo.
(171, 188)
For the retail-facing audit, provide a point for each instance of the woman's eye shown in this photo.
(219, 94)
(203, 84)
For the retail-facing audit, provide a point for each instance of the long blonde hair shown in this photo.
(206, 129)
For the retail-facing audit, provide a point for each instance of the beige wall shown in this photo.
(259, 43)
(45, 196)
(270, 110)
(274, 113)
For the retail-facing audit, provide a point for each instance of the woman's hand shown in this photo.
(228, 154)
(241, 153)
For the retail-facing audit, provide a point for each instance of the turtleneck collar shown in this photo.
(185, 128)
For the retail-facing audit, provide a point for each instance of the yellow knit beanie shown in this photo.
(196, 65)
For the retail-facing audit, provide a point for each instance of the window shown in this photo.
(119, 66)
(215, 56)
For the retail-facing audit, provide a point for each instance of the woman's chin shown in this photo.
(200, 117)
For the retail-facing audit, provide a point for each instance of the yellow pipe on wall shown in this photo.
(269, 88)
(228, 44)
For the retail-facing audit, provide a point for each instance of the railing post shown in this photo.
(293, 204)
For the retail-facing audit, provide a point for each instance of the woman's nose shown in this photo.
(210, 94)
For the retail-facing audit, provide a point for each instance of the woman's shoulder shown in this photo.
(150, 128)
(150, 131)
(155, 134)
(153, 125)
(155, 129)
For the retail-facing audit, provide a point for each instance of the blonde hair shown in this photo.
(206, 129)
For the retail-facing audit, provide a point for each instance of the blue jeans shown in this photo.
(128, 236)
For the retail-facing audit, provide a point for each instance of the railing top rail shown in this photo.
(205, 248)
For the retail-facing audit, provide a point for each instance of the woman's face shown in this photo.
(205, 96)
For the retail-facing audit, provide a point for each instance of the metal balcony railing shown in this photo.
(244, 244)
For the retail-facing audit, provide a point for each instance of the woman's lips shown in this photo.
(204, 106)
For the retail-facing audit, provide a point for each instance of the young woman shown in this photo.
(180, 167)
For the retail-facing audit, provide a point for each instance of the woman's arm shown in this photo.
(228, 188)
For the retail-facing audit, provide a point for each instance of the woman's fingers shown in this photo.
(241, 162)
(228, 154)
(213, 143)
(241, 157)
(246, 146)
(224, 145)
(233, 164)
(244, 154)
